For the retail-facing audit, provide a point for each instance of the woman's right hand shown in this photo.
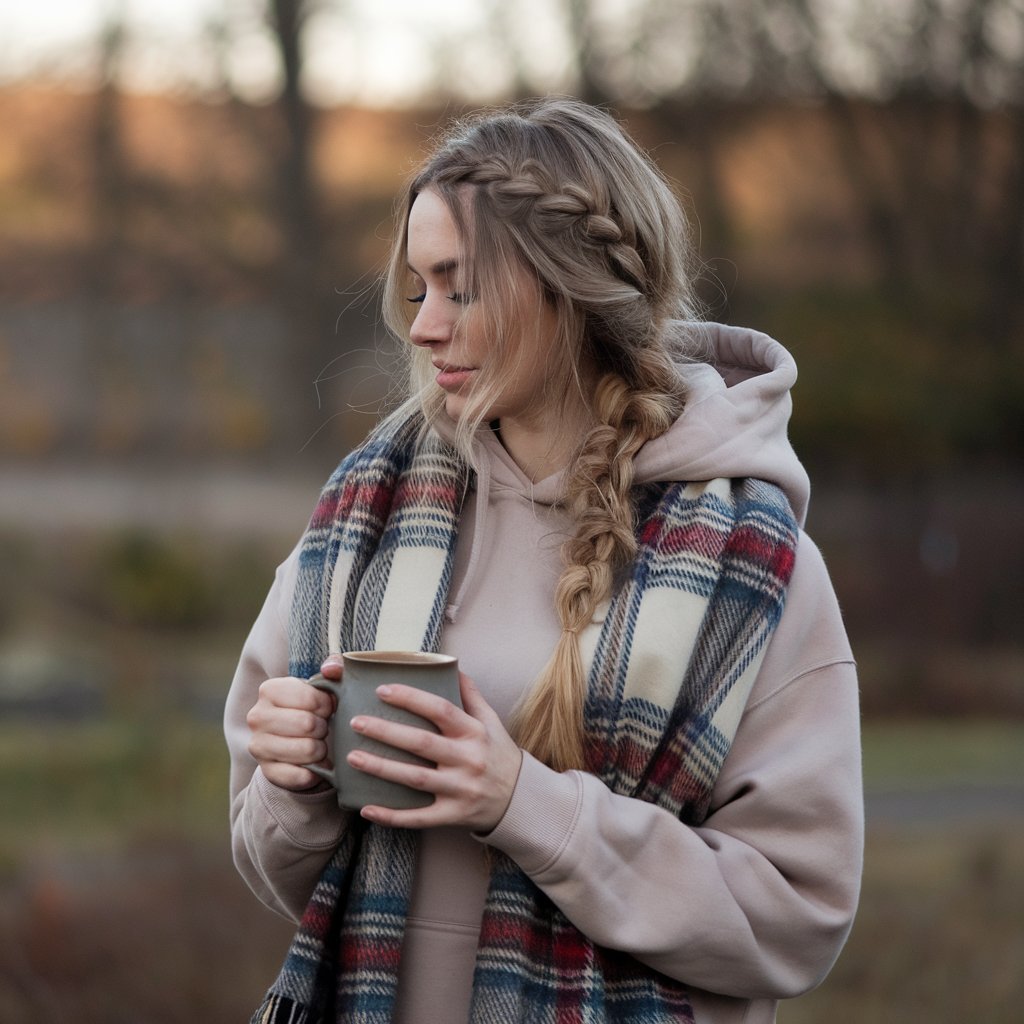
(289, 729)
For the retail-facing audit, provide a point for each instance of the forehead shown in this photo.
(432, 237)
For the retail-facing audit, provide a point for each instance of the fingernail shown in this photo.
(384, 691)
(358, 724)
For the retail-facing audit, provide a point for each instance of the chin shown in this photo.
(456, 403)
(454, 406)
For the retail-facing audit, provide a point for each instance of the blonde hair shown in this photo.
(557, 189)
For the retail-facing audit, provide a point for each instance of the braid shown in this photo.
(528, 195)
(599, 495)
(557, 190)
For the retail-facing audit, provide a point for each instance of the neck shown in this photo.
(542, 447)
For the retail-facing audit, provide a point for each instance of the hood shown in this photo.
(734, 425)
(735, 420)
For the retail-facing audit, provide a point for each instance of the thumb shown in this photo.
(473, 702)
(332, 667)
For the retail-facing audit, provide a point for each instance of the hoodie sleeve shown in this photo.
(757, 901)
(280, 840)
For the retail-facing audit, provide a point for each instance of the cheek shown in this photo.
(473, 335)
(539, 346)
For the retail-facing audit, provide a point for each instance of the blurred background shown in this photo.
(195, 203)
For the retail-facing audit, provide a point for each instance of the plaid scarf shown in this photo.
(671, 664)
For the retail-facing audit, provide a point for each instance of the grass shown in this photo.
(931, 753)
(80, 786)
(76, 783)
(115, 867)
(938, 937)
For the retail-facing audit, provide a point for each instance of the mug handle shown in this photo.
(328, 686)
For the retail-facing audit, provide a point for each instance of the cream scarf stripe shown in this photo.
(674, 612)
(398, 599)
(409, 613)
(662, 639)
(660, 624)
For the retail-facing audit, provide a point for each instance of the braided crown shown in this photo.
(559, 185)
(528, 196)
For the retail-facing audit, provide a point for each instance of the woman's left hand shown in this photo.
(477, 762)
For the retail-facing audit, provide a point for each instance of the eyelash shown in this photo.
(458, 297)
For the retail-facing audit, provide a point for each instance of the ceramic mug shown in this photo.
(363, 672)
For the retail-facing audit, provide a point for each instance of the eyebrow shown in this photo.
(438, 269)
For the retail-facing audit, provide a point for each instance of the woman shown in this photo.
(649, 808)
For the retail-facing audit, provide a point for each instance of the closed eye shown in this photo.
(457, 297)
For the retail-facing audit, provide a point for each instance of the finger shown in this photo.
(418, 818)
(323, 703)
(410, 738)
(472, 699)
(333, 667)
(424, 778)
(266, 718)
(290, 776)
(286, 722)
(289, 692)
(293, 750)
(443, 713)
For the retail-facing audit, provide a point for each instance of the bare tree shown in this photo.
(297, 185)
(109, 171)
(305, 279)
(101, 265)
(935, 76)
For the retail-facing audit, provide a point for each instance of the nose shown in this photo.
(433, 323)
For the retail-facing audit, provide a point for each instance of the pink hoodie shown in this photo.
(751, 907)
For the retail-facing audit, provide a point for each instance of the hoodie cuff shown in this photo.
(540, 817)
(311, 820)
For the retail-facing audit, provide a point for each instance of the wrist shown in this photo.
(540, 817)
(503, 805)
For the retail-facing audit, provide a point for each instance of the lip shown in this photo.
(451, 378)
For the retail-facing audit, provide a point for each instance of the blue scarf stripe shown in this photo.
(696, 580)
(723, 657)
(364, 614)
(588, 991)
(436, 622)
(606, 686)
(418, 535)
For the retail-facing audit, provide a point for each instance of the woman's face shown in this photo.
(449, 322)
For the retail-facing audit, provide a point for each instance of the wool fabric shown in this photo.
(671, 659)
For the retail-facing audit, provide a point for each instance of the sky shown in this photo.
(386, 52)
(379, 52)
